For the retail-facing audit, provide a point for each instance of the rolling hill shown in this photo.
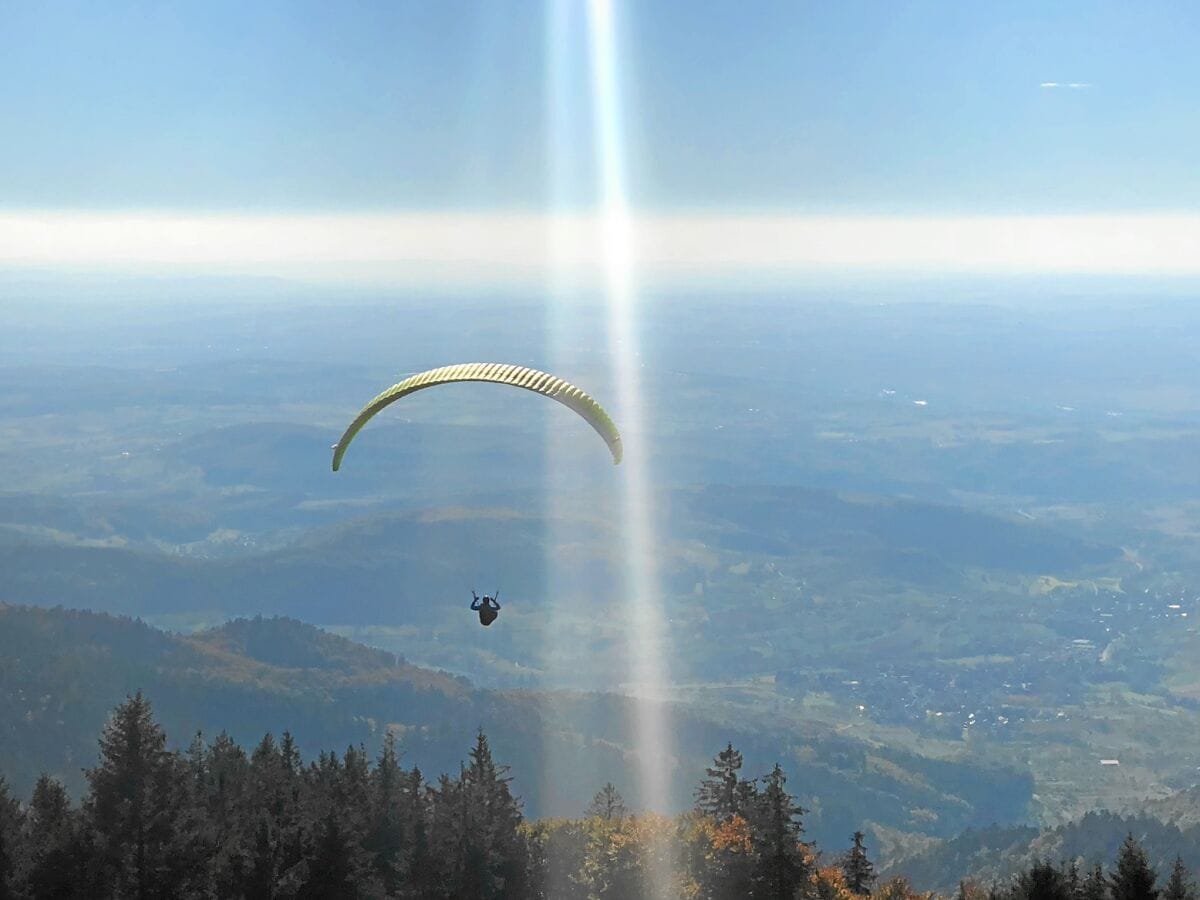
(62, 671)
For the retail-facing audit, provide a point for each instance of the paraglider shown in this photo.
(522, 377)
(487, 607)
(498, 373)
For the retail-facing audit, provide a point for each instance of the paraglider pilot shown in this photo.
(487, 607)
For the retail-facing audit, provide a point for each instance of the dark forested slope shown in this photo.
(62, 671)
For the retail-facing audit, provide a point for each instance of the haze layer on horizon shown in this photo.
(465, 249)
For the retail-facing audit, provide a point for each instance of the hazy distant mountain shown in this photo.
(389, 566)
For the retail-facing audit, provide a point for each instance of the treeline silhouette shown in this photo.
(216, 822)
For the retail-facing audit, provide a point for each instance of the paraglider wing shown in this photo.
(498, 373)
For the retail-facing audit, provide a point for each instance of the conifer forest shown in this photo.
(215, 821)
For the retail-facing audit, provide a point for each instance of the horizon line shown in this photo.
(457, 246)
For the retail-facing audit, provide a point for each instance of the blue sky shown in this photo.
(815, 108)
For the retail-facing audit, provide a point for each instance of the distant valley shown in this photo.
(1004, 575)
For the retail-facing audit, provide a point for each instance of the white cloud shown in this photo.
(487, 247)
(1079, 84)
(1049, 84)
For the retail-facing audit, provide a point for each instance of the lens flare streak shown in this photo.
(644, 620)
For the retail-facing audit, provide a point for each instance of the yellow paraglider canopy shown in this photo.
(498, 373)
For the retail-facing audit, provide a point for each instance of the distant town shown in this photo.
(995, 693)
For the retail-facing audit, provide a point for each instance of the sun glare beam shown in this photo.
(643, 607)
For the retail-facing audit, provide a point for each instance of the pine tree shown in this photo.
(423, 872)
(1133, 878)
(857, 868)
(53, 858)
(388, 774)
(331, 869)
(495, 853)
(6, 867)
(780, 868)
(722, 794)
(10, 823)
(132, 803)
(607, 804)
(195, 761)
(386, 837)
(1094, 885)
(276, 788)
(324, 778)
(445, 839)
(269, 784)
(1042, 881)
(289, 755)
(1180, 886)
(353, 796)
(224, 843)
(261, 872)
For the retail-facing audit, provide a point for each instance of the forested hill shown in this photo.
(217, 820)
(994, 855)
(62, 671)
